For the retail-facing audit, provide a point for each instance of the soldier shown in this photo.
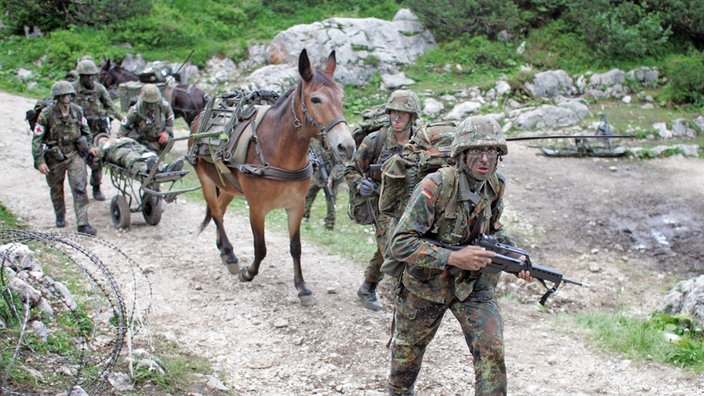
(328, 177)
(55, 154)
(445, 206)
(130, 154)
(150, 121)
(403, 108)
(98, 108)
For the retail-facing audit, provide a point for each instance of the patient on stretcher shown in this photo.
(132, 155)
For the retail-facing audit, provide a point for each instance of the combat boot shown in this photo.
(60, 221)
(87, 229)
(97, 194)
(367, 293)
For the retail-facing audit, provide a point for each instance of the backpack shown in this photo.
(429, 150)
(373, 119)
(32, 115)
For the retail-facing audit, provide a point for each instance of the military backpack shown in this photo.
(32, 115)
(373, 119)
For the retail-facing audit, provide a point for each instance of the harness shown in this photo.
(240, 129)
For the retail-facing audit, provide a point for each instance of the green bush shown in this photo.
(685, 79)
(52, 15)
(449, 19)
(621, 31)
(556, 46)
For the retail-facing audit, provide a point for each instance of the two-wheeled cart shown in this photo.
(144, 192)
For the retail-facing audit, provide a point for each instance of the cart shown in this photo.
(144, 192)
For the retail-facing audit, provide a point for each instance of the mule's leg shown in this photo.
(256, 221)
(294, 230)
(227, 253)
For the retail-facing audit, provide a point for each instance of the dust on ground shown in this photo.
(628, 228)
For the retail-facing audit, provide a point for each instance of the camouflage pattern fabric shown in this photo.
(355, 172)
(127, 153)
(426, 290)
(335, 171)
(145, 121)
(59, 134)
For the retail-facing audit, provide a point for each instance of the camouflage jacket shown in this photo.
(58, 132)
(365, 156)
(434, 212)
(142, 124)
(96, 102)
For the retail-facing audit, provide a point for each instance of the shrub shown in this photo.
(449, 19)
(685, 79)
(622, 31)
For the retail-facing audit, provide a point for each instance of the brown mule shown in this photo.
(279, 155)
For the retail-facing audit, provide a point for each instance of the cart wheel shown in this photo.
(151, 209)
(120, 212)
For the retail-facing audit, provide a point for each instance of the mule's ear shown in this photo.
(304, 67)
(330, 64)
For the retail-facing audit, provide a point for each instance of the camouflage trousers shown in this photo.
(373, 272)
(416, 322)
(329, 202)
(75, 167)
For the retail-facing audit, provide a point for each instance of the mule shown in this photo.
(186, 100)
(312, 109)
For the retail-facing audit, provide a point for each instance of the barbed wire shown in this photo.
(115, 296)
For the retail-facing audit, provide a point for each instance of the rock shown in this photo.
(686, 298)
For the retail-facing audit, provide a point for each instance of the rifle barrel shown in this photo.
(513, 139)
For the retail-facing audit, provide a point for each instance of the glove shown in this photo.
(163, 137)
(366, 188)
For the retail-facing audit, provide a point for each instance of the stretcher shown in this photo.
(144, 192)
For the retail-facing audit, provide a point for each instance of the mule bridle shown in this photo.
(323, 131)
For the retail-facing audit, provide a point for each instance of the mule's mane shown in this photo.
(282, 98)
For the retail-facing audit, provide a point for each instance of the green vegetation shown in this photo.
(672, 340)
(572, 35)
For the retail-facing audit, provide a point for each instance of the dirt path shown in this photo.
(625, 227)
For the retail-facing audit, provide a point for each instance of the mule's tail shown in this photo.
(206, 221)
(208, 213)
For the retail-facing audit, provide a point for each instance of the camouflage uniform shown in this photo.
(59, 134)
(368, 153)
(427, 289)
(127, 153)
(335, 171)
(147, 119)
(97, 106)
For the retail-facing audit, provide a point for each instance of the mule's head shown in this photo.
(322, 106)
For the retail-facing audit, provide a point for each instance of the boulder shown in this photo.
(687, 298)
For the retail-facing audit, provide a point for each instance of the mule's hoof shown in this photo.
(229, 259)
(233, 268)
(245, 275)
(307, 300)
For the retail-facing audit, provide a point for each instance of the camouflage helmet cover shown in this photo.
(403, 100)
(86, 67)
(62, 87)
(479, 131)
(150, 93)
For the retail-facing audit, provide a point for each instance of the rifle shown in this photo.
(502, 262)
(324, 173)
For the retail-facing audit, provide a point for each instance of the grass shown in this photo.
(674, 341)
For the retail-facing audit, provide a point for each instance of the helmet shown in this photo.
(479, 131)
(403, 100)
(86, 67)
(150, 93)
(62, 87)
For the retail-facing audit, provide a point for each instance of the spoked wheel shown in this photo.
(151, 209)
(120, 212)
